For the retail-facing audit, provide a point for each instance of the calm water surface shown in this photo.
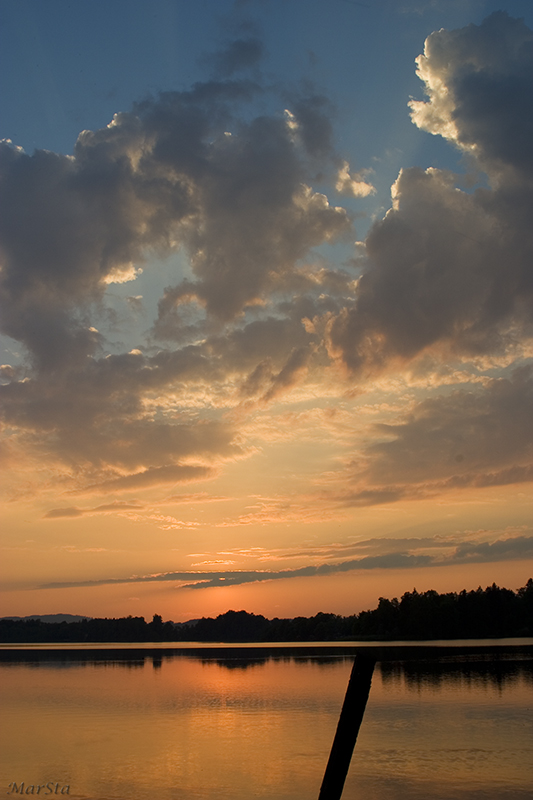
(132, 723)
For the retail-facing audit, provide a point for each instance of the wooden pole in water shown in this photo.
(350, 720)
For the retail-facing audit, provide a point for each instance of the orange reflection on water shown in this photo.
(188, 728)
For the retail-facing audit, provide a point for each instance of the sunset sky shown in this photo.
(266, 300)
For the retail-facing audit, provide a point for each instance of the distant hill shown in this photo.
(51, 617)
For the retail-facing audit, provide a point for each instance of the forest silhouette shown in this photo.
(493, 612)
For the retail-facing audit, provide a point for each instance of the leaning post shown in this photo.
(348, 726)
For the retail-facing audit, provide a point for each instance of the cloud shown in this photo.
(72, 224)
(392, 561)
(466, 434)
(450, 271)
(520, 547)
(352, 185)
(166, 176)
(259, 225)
(479, 81)
(332, 552)
(309, 121)
(183, 171)
(59, 513)
(239, 55)
(503, 477)
(108, 508)
(208, 579)
(295, 366)
(447, 270)
(254, 314)
(197, 497)
(285, 509)
(154, 476)
(476, 437)
(95, 417)
(135, 302)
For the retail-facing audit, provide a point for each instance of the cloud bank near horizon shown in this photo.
(405, 555)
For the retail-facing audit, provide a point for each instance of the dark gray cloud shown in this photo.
(70, 225)
(204, 580)
(153, 476)
(312, 115)
(181, 170)
(520, 547)
(479, 80)
(259, 219)
(184, 170)
(463, 437)
(501, 477)
(468, 438)
(94, 419)
(389, 561)
(240, 54)
(445, 269)
(449, 269)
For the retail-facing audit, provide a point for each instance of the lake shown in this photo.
(448, 721)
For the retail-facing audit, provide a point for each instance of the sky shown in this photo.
(266, 303)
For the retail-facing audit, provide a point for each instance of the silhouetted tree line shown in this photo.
(480, 613)
(124, 629)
